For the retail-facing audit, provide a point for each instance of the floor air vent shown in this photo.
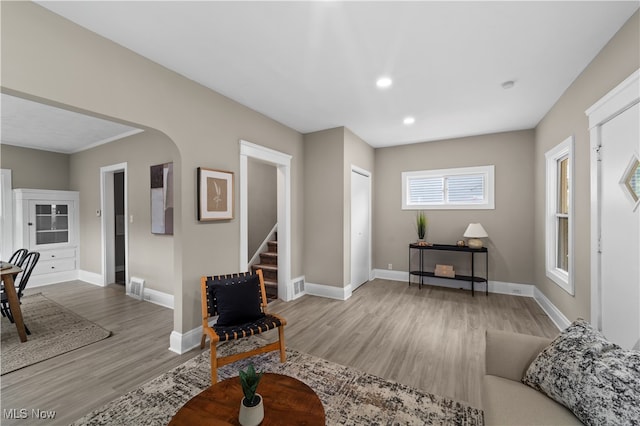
(298, 287)
(135, 288)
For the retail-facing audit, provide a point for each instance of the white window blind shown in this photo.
(461, 188)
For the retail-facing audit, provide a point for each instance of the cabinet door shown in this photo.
(50, 223)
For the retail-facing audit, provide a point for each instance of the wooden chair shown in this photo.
(27, 263)
(240, 302)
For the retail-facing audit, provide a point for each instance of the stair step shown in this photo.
(269, 258)
(272, 246)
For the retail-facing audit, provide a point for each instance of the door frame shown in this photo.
(368, 175)
(622, 97)
(282, 162)
(106, 212)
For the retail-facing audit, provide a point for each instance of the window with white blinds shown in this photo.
(461, 188)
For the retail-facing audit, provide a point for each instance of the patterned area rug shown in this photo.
(349, 396)
(54, 330)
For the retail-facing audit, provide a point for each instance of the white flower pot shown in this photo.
(251, 416)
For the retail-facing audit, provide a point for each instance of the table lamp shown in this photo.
(474, 232)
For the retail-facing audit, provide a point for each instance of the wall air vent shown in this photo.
(298, 287)
(135, 288)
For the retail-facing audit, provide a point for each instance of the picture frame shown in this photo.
(215, 194)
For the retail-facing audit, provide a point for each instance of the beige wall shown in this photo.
(36, 169)
(49, 58)
(329, 155)
(323, 207)
(150, 255)
(509, 225)
(263, 203)
(617, 61)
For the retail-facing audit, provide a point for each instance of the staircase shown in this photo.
(269, 265)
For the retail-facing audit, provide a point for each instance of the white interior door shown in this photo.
(620, 229)
(360, 227)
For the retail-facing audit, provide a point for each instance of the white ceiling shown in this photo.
(313, 65)
(34, 125)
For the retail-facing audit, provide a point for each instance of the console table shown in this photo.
(421, 272)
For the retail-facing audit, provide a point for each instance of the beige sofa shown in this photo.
(506, 400)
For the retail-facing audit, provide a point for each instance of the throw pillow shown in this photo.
(594, 378)
(238, 302)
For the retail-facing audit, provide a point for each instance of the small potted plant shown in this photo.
(251, 408)
(421, 227)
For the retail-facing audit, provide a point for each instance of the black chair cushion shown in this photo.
(239, 302)
(233, 332)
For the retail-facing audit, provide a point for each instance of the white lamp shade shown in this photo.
(475, 230)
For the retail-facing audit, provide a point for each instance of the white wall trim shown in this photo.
(330, 292)
(498, 287)
(91, 278)
(558, 318)
(52, 278)
(564, 279)
(106, 212)
(158, 297)
(282, 162)
(181, 343)
(623, 96)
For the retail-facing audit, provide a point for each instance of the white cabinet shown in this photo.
(46, 221)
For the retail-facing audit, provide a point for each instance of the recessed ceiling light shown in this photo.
(508, 84)
(383, 82)
(409, 121)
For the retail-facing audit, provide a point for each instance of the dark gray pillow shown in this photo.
(238, 303)
(594, 378)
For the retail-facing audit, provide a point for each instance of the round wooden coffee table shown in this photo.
(287, 401)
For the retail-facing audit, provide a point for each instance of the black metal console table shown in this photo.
(420, 272)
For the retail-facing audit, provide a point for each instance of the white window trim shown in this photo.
(489, 188)
(564, 279)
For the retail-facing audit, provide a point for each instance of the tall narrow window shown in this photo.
(559, 223)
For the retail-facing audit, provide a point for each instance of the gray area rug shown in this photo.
(349, 396)
(54, 330)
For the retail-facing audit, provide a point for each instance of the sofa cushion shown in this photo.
(509, 402)
(594, 378)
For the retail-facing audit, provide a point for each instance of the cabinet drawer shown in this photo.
(58, 265)
(57, 254)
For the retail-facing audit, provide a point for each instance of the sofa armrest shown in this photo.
(509, 354)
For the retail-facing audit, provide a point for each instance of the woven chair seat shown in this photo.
(233, 332)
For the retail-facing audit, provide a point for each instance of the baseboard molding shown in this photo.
(494, 286)
(53, 278)
(91, 278)
(558, 318)
(331, 292)
(181, 343)
(158, 297)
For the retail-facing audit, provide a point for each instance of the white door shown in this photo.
(360, 227)
(620, 229)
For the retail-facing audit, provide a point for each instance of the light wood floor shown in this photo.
(432, 339)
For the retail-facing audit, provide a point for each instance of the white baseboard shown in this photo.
(331, 292)
(158, 297)
(558, 318)
(183, 342)
(494, 286)
(52, 278)
(91, 278)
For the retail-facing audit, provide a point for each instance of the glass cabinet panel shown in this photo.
(52, 223)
